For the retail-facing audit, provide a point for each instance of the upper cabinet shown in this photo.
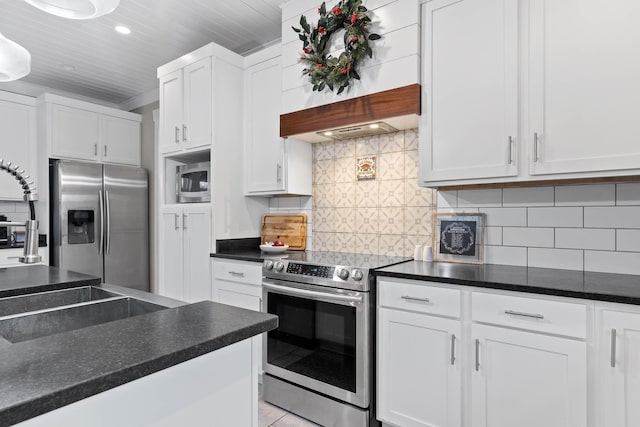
(395, 62)
(18, 142)
(186, 107)
(469, 124)
(82, 131)
(273, 165)
(528, 90)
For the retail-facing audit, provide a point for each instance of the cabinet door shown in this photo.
(75, 133)
(527, 380)
(470, 90)
(197, 119)
(619, 367)
(196, 224)
(171, 257)
(584, 87)
(264, 149)
(419, 370)
(17, 145)
(170, 136)
(120, 141)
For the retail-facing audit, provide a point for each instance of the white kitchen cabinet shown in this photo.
(618, 365)
(469, 128)
(18, 142)
(79, 130)
(184, 252)
(273, 165)
(186, 107)
(239, 283)
(584, 87)
(527, 379)
(419, 370)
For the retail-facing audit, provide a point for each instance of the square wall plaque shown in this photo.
(366, 168)
(459, 237)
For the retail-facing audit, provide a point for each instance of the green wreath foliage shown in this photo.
(327, 71)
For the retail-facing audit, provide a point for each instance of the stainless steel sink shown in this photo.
(44, 300)
(99, 307)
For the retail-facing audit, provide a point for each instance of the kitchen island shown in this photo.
(187, 364)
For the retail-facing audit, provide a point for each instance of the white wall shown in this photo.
(583, 227)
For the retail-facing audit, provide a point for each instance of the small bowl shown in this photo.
(273, 249)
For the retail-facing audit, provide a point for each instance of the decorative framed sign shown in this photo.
(459, 237)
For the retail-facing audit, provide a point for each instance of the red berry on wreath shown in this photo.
(321, 30)
(354, 18)
(336, 11)
(319, 65)
(343, 71)
(306, 50)
(353, 40)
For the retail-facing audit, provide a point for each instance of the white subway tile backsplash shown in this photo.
(586, 195)
(505, 217)
(628, 240)
(586, 238)
(493, 236)
(480, 198)
(612, 217)
(555, 217)
(530, 196)
(447, 199)
(612, 262)
(628, 194)
(505, 255)
(529, 237)
(566, 259)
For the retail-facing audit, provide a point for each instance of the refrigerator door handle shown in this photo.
(102, 216)
(108, 215)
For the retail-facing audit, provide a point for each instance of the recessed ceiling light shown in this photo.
(328, 133)
(122, 29)
(374, 126)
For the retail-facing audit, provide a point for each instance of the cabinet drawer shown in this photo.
(557, 317)
(422, 297)
(238, 271)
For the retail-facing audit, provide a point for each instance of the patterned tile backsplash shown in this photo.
(387, 215)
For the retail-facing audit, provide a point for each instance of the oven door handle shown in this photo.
(314, 294)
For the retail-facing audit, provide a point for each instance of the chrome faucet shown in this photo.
(30, 254)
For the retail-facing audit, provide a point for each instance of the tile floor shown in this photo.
(272, 416)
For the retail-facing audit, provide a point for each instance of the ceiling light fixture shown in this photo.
(76, 9)
(15, 61)
(123, 30)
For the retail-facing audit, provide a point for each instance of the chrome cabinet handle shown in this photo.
(535, 147)
(477, 355)
(519, 313)
(236, 273)
(102, 221)
(453, 349)
(279, 172)
(184, 221)
(175, 223)
(177, 137)
(184, 132)
(613, 347)
(510, 142)
(105, 151)
(410, 298)
(349, 299)
(95, 149)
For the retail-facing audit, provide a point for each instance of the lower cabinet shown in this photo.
(239, 283)
(184, 252)
(618, 363)
(527, 379)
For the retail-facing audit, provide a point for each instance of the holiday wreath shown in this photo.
(326, 70)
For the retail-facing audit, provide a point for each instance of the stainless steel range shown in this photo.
(318, 363)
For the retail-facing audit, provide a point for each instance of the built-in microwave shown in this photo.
(192, 183)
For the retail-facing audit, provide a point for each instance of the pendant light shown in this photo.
(15, 61)
(76, 9)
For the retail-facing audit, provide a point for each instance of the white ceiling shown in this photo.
(113, 67)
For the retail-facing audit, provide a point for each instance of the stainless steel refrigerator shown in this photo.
(100, 221)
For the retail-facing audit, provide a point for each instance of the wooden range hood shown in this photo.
(398, 107)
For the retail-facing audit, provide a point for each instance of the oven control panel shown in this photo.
(311, 270)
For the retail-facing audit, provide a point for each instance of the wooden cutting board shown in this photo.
(290, 228)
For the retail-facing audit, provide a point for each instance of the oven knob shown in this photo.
(268, 265)
(279, 266)
(343, 273)
(357, 275)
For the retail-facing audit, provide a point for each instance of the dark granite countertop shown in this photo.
(621, 288)
(46, 373)
(39, 278)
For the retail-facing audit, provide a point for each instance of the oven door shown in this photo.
(322, 341)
